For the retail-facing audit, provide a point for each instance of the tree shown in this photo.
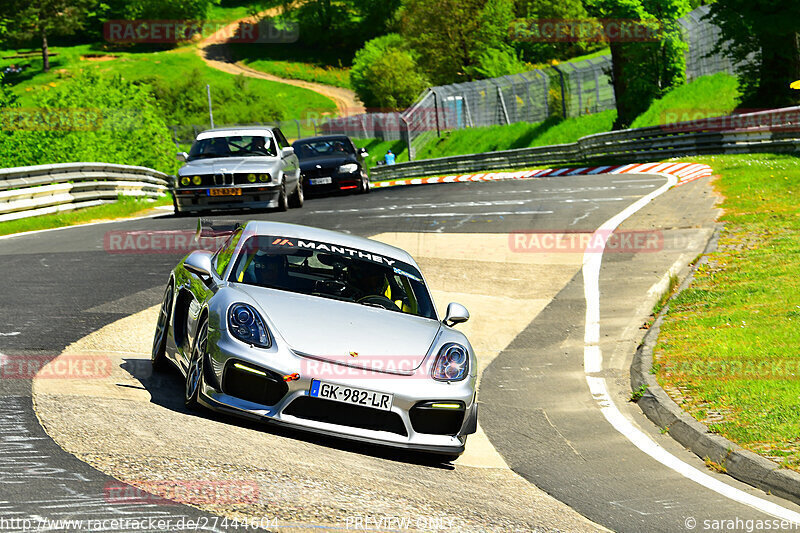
(449, 36)
(644, 69)
(44, 18)
(385, 74)
(763, 38)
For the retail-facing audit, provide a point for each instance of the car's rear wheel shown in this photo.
(297, 198)
(283, 202)
(194, 374)
(158, 357)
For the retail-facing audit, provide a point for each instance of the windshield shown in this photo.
(323, 148)
(330, 271)
(234, 146)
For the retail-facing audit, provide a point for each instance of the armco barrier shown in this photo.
(767, 131)
(44, 189)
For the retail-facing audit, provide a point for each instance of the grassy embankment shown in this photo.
(728, 347)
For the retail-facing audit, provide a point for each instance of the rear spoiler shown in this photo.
(211, 228)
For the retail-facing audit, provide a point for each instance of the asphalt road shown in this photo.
(60, 286)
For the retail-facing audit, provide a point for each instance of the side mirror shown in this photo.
(456, 314)
(199, 262)
(287, 151)
(363, 153)
(182, 157)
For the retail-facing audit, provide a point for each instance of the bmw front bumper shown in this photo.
(257, 196)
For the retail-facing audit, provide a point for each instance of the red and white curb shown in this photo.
(685, 172)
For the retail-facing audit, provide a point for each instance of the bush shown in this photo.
(186, 101)
(87, 118)
(385, 74)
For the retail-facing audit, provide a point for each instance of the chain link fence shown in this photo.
(566, 90)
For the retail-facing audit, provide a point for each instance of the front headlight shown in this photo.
(246, 324)
(185, 181)
(349, 168)
(197, 180)
(452, 363)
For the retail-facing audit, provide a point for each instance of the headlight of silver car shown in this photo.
(452, 363)
(247, 325)
(349, 168)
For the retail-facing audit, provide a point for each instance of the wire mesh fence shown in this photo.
(566, 90)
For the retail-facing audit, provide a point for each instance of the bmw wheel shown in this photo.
(283, 203)
(297, 197)
(158, 355)
(194, 374)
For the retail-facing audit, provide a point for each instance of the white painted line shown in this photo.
(11, 334)
(479, 214)
(593, 363)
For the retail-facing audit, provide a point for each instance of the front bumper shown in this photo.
(257, 196)
(296, 408)
(339, 183)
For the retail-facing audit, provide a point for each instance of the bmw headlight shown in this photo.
(246, 324)
(197, 180)
(349, 168)
(185, 181)
(452, 363)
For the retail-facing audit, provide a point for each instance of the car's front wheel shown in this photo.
(363, 186)
(194, 374)
(283, 202)
(297, 197)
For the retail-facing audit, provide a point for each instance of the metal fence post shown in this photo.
(563, 91)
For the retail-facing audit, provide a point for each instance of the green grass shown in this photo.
(729, 342)
(124, 207)
(519, 135)
(173, 64)
(707, 96)
(377, 150)
(295, 62)
(231, 10)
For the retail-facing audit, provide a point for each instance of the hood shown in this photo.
(226, 164)
(331, 330)
(326, 161)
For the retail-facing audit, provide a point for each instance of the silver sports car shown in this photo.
(323, 331)
(233, 168)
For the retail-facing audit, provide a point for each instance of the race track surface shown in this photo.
(544, 438)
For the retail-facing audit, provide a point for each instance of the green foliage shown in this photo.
(529, 13)
(185, 100)
(449, 36)
(707, 96)
(496, 62)
(769, 32)
(644, 70)
(385, 74)
(87, 118)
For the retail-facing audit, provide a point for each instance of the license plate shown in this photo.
(225, 192)
(351, 395)
(321, 181)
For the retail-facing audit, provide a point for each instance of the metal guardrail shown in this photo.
(767, 131)
(44, 189)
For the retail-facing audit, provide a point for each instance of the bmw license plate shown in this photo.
(225, 192)
(351, 395)
(321, 181)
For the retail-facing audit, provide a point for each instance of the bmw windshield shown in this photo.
(233, 146)
(331, 271)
